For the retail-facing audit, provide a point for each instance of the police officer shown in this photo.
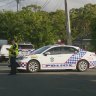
(13, 52)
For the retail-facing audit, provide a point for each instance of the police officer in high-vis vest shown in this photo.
(13, 52)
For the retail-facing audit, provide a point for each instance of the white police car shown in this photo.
(58, 57)
(25, 48)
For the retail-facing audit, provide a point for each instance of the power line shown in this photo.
(45, 4)
(7, 3)
(11, 6)
(58, 4)
(3, 0)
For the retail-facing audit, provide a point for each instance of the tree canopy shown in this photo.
(42, 28)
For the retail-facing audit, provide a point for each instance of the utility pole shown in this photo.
(68, 29)
(17, 1)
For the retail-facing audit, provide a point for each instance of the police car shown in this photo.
(25, 48)
(58, 57)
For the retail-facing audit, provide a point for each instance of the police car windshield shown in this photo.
(40, 50)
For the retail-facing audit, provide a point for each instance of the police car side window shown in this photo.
(68, 50)
(54, 51)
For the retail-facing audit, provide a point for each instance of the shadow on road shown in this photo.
(7, 69)
(49, 71)
(66, 83)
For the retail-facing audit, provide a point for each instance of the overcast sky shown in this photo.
(48, 5)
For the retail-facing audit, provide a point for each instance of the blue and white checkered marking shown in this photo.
(75, 57)
(92, 63)
(72, 60)
(23, 65)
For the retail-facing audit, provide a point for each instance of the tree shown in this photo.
(82, 21)
(93, 34)
(58, 24)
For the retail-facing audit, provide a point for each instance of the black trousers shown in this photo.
(13, 65)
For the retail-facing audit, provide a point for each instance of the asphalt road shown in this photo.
(63, 83)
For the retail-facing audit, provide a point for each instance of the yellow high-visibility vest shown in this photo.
(13, 51)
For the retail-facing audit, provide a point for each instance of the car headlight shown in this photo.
(33, 56)
(21, 57)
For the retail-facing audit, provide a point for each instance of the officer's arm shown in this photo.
(9, 49)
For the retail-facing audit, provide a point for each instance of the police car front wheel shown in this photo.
(33, 66)
(82, 65)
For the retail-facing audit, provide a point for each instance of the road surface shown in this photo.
(63, 83)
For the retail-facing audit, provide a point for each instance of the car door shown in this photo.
(58, 58)
(51, 60)
(66, 57)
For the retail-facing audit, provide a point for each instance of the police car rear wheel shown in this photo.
(82, 66)
(33, 66)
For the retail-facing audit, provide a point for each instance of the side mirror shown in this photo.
(46, 53)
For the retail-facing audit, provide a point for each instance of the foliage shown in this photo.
(42, 28)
